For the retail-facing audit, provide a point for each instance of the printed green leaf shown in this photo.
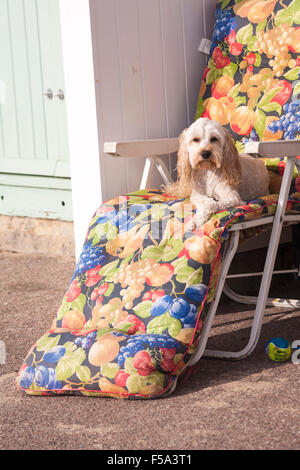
(230, 69)
(244, 34)
(257, 62)
(105, 270)
(45, 343)
(158, 324)
(261, 26)
(174, 326)
(64, 369)
(111, 232)
(129, 367)
(296, 89)
(158, 211)
(290, 15)
(251, 44)
(97, 233)
(171, 249)
(292, 74)
(272, 107)
(83, 373)
(124, 326)
(260, 122)
(179, 263)
(200, 108)
(212, 75)
(152, 252)
(195, 278)
(184, 273)
(240, 100)
(68, 364)
(156, 378)
(79, 303)
(224, 3)
(109, 370)
(233, 93)
(135, 382)
(63, 309)
(143, 309)
(267, 97)
(211, 64)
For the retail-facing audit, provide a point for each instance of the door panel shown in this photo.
(33, 128)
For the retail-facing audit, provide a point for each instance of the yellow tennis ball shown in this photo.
(278, 350)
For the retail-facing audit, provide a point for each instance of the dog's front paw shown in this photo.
(190, 224)
(200, 220)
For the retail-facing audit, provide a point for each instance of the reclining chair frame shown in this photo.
(153, 150)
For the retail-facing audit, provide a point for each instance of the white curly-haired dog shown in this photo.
(213, 174)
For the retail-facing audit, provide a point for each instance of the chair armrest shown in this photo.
(141, 148)
(274, 148)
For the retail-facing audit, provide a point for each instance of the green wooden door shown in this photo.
(34, 162)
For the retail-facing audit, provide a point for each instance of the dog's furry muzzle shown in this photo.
(210, 163)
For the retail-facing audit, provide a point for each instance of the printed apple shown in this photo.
(103, 351)
(242, 120)
(284, 94)
(221, 86)
(216, 110)
(73, 320)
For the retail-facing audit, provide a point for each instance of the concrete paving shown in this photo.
(248, 404)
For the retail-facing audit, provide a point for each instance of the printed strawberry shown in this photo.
(168, 353)
(236, 48)
(138, 325)
(147, 295)
(167, 364)
(206, 70)
(121, 378)
(73, 291)
(219, 59)
(102, 289)
(230, 39)
(142, 362)
(250, 58)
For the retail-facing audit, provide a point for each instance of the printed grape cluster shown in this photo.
(141, 342)
(224, 24)
(253, 136)
(91, 257)
(275, 44)
(86, 341)
(289, 123)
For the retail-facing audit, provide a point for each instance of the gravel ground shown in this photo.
(249, 404)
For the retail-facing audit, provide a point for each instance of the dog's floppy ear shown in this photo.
(182, 187)
(231, 165)
(184, 168)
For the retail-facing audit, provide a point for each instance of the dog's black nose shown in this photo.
(205, 154)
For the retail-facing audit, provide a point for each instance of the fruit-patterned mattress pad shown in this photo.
(131, 317)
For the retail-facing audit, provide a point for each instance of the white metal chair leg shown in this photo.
(252, 300)
(230, 252)
(268, 270)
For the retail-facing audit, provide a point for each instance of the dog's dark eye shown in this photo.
(196, 139)
(214, 139)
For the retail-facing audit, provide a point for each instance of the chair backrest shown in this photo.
(251, 82)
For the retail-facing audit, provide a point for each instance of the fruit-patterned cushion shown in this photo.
(132, 315)
(251, 82)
